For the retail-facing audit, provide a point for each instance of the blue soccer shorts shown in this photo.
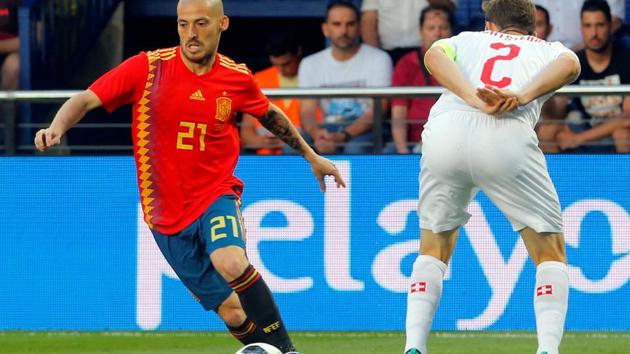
(188, 252)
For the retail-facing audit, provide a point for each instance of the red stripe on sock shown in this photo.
(248, 273)
(250, 328)
(252, 282)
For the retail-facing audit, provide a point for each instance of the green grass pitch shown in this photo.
(307, 342)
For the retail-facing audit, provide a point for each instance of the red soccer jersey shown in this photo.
(186, 142)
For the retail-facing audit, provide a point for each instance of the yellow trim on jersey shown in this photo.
(235, 68)
(144, 162)
(163, 54)
(448, 48)
(230, 64)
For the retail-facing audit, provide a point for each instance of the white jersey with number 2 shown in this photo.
(501, 60)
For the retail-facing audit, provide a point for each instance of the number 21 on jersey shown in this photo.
(488, 66)
(186, 139)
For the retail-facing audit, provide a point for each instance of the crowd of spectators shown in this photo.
(360, 38)
(381, 43)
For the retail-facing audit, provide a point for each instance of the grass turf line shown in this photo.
(308, 342)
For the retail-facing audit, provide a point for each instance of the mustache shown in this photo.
(193, 42)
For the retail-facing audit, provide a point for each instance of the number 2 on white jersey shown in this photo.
(488, 66)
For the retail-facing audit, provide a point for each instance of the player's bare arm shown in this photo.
(279, 124)
(444, 69)
(70, 113)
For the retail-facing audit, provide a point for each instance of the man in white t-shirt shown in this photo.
(565, 16)
(484, 139)
(393, 24)
(347, 122)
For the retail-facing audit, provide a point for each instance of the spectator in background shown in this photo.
(9, 46)
(555, 108)
(347, 122)
(409, 115)
(543, 23)
(393, 24)
(565, 16)
(603, 63)
(285, 54)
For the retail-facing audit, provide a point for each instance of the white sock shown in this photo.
(550, 304)
(423, 298)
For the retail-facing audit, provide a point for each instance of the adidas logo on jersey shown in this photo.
(197, 96)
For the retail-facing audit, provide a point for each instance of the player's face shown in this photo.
(199, 24)
(596, 30)
(543, 27)
(342, 28)
(434, 27)
(287, 64)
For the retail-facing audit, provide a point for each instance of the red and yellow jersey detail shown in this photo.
(163, 54)
(231, 64)
(184, 130)
(144, 162)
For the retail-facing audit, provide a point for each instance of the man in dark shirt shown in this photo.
(9, 46)
(597, 123)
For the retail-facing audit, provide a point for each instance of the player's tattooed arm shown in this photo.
(279, 124)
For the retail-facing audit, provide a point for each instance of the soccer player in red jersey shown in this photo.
(186, 145)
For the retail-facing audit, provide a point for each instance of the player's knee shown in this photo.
(553, 250)
(230, 262)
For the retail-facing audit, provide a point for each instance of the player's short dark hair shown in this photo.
(281, 41)
(597, 5)
(519, 15)
(343, 3)
(450, 15)
(544, 11)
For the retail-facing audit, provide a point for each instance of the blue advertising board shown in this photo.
(75, 253)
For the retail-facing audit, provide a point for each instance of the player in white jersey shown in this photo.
(480, 136)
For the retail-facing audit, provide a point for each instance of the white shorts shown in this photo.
(464, 152)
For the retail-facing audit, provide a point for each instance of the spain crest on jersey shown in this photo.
(224, 108)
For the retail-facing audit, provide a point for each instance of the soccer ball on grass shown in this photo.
(259, 348)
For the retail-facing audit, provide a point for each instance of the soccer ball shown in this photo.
(259, 348)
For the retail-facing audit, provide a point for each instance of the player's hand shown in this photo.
(497, 101)
(46, 138)
(323, 167)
